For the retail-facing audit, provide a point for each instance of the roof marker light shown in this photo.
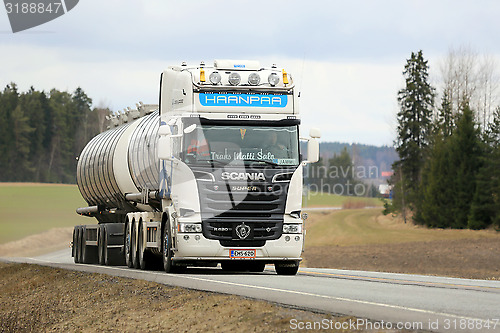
(202, 75)
(285, 77)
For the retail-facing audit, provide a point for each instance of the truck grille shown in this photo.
(258, 205)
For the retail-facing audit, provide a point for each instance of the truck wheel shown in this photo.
(74, 249)
(84, 248)
(134, 249)
(128, 244)
(100, 245)
(166, 249)
(286, 267)
(144, 260)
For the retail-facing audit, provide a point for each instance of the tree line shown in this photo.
(341, 176)
(448, 172)
(42, 133)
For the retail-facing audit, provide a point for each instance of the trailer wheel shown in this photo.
(286, 267)
(100, 245)
(128, 244)
(89, 252)
(80, 240)
(76, 244)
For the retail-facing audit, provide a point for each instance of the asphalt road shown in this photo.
(389, 300)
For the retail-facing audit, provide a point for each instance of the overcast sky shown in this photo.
(347, 57)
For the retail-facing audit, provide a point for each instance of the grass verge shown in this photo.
(29, 209)
(320, 199)
(36, 298)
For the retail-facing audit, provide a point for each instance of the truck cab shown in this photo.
(231, 166)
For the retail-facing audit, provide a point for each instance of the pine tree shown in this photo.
(465, 154)
(482, 207)
(8, 102)
(438, 186)
(342, 178)
(19, 163)
(490, 174)
(445, 119)
(414, 129)
(33, 103)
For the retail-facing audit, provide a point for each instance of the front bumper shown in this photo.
(203, 249)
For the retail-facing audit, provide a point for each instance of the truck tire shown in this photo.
(134, 247)
(74, 245)
(100, 245)
(143, 255)
(128, 244)
(80, 240)
(286, 267)
(89, 252)
(112, 255)
(168, 264)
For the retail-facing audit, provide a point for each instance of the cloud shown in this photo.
(347, 57)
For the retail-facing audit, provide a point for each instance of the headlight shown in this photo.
(273, 79)
(254, 79)
(189, 227)
(214, 78)
(292, 228)
(234, 79)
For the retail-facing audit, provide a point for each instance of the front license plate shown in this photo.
(242, 253)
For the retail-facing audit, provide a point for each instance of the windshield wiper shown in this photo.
(263, 161)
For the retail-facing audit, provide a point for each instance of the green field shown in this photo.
(369, 226)
(320, 199)
(27, 209)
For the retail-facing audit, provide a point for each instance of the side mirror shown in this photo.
(164, 130)
(190, 128)
(164, 142)
(315, 133)
(312, 151)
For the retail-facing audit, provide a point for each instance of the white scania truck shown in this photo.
(212, 175)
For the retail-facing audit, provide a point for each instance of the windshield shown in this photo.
(209, 144)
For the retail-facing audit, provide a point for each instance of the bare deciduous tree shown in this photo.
(467, 76)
